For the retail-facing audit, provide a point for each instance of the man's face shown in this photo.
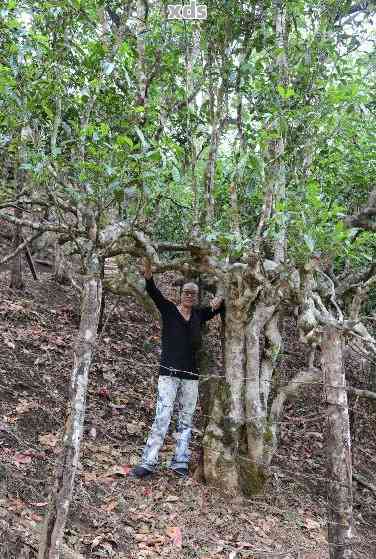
(189, 294)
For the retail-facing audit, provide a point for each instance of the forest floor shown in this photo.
(113, 515)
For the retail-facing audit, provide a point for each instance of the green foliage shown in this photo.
(111, 145)
(314, 224)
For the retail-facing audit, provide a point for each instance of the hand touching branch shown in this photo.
(216, 303)
(148, 272)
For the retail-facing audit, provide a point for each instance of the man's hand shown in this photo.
(147, 268)
(216, 303)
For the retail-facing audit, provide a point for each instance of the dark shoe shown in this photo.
(140, 472)
(182, 472)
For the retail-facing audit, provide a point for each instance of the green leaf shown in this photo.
(154, 155)
(285, 92)
(123, 139)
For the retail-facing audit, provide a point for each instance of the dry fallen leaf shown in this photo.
(149, 539)
(172, 499)
(110, 505)
(118, 469)
(104, 392)
(96, 541)
(174, 533)
(133, 428)
(15, 505)
(35, 517)
(25, 405)
(89, 476)
(48, 439)
(39, 505)
(22, 458)
(311, 524)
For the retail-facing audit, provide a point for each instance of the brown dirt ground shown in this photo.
(113, 515)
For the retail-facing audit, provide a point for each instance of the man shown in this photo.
(178, 373)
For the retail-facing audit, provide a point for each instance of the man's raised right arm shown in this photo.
(160, 301)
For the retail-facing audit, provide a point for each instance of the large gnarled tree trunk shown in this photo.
(238, 439)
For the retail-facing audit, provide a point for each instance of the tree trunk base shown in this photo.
(16, 279)
(226, 461)
(16, 284)
(19, 538)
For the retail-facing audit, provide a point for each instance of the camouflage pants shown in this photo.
(168, 389)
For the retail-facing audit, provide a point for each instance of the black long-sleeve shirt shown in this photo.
(181, 339)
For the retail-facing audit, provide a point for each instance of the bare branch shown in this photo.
(166, 247)
(20, 247)
(125, 286)
(362, 393)
(113, 232)
(363, 481)
(147, 245)
(35, 226)
(301, 380)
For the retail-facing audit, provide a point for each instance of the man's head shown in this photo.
(189, 294)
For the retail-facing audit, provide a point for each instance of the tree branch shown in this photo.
(362, 393)
(363, 481)
(301, 380)
(20, 247)
(113, 232)
(35, 226)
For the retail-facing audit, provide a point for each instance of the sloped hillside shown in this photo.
(115, 516)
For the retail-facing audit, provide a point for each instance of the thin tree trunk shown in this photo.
(338, 441)
(103, 301)
(208, 380)
(16, 278)
(17, 533)
(61, 265)
(61, 493)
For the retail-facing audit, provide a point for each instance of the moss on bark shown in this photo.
(252, 478)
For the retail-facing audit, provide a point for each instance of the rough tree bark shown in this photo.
(16, 278)
(239, 440)
(61, 265)
(61, 493)
(19, 537)
(208, 378)
(338, 441)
